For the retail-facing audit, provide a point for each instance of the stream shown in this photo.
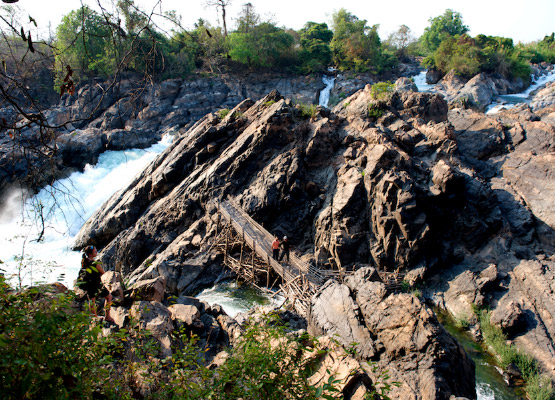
(503, 101)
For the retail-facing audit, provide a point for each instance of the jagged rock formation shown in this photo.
(105, 115)
(457, 199)
(399, 331)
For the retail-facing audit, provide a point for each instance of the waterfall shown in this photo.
(65, 206)
(329, 81)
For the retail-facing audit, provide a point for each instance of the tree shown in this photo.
(248, 19)
(356, 45)
(401, 39)
(85, 42)
(260, 46)
(442, 27)
(221, 5)
(316, 53)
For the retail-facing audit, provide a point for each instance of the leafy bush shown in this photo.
(223, 112)
(382, 90)
(53, 351)
(307, 111)
(375, 110)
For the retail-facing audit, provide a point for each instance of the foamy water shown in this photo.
(64, 206)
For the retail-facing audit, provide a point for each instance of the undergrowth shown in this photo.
(50, 350)
(538, 387)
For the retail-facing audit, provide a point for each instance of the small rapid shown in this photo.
(329, 82)
(56, 214)
(504, 101)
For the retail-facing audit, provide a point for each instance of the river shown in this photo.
(65, 205)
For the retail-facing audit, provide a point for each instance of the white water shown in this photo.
(420, 82)
(504, 102)
(66, 206)
(235, 299)
(329, 81)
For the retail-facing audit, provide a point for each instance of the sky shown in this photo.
(516, 19)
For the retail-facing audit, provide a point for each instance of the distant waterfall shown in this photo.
(329, 81)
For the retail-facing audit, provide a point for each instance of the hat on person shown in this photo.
(285, 238)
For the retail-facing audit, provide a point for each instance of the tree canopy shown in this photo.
(441, 27)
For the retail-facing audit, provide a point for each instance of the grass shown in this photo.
(223, 112)
(538, 387)
(375, 110)
(307, 111)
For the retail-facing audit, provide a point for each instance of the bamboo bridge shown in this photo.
(247, 250)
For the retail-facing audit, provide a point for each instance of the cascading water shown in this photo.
(505, 101)
(329, 81)
(65, 206)
(420, 82)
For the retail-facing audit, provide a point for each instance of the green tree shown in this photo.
(401, 40)
(442, 27)
(84, 42)
(356, 45)
(258, 44)
(315, 49)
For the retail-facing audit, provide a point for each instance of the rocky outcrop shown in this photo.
(545, 97)
(448, 196)
(129, 113)
(397, 330)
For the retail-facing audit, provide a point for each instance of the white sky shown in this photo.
(516, 19)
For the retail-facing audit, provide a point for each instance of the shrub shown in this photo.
(375, 110)
(307, 111)
(382, 90)
(223, 112)
(538, 387)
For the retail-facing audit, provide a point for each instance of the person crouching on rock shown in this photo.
(275, 248)
(89, 281)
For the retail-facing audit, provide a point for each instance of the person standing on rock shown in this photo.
(89, 280)
(275, 248)
(284, 249)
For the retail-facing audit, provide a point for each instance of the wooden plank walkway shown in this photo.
(300, 279)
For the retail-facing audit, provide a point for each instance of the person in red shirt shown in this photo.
(275, 248)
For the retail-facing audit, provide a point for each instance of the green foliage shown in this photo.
(375, 110)
(223, 112)
(537, 387)
(315, 52)
(442, 27)
(306, 111)
(382, 386)
(357, 46)
(382, 90)
(52, 351)
(469, 56)
(47, 351)
(540, 387)
(403, 42)
(84, 41)
(537, 52)
(262, 46)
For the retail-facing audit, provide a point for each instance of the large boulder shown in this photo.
(397, 330)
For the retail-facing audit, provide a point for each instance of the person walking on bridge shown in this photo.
(284, 249)
(275, 248)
